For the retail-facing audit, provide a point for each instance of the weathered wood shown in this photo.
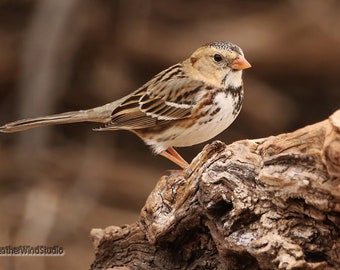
(270, 203)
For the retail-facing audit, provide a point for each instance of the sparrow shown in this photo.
(185, 104)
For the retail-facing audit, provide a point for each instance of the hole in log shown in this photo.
(315, 256)
(235, 259)
(220, 208)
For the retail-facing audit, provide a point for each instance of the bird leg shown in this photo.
(172, 155)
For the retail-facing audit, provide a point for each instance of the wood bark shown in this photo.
(269, 203)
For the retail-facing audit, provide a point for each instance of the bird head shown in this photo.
(218, 63)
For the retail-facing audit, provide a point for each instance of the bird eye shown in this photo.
(218, 57)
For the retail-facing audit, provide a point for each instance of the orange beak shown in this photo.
(240, 63)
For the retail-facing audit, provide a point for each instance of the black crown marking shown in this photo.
(227, 46)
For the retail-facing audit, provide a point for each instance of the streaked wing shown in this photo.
(170, 99)
(168, 96)
(129, 116)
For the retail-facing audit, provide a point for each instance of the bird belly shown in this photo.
(203, 129)
(210, 126)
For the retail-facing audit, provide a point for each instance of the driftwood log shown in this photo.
(271, 203)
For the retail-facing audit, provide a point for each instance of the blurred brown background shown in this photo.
(57, 183)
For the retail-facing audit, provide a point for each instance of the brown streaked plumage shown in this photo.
(186, 104)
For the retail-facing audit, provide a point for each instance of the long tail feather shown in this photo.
(100, 114)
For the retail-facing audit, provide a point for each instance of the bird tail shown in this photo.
(100, 114)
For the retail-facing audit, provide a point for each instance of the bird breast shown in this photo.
(213, 114)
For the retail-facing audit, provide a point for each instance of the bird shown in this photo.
(186, 104)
